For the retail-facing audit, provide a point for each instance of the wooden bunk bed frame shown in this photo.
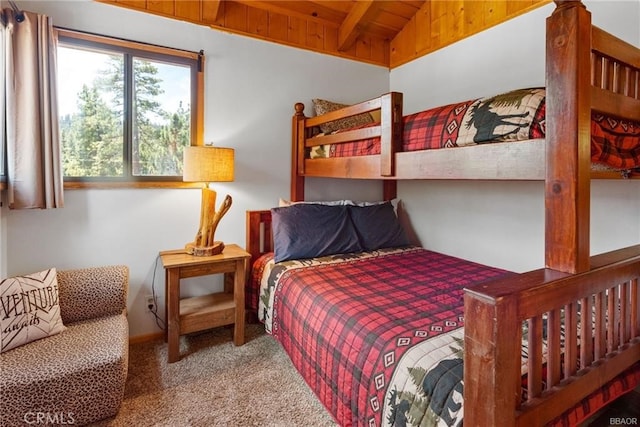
(593, 300)
(614, 67)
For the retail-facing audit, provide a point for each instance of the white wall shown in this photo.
(502, 223)
(251, 87)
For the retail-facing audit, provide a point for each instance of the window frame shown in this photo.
(195, 60)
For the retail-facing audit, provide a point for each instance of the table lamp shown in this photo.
(208, 164)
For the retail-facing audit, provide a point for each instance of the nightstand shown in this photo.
(188, 315)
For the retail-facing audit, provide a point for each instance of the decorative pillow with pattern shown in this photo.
(322, 106)
(29, 309)
(510, 116)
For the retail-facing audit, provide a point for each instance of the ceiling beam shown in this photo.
(354, 23)
(317, 14)
(216, 9)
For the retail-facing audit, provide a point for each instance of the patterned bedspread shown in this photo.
(510, 117)
(372, 333)
(378, 336)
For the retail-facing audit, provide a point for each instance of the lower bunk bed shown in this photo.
(395, 335)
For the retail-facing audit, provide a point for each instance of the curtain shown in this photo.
(34, 169)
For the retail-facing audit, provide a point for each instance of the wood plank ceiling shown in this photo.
(387, 33)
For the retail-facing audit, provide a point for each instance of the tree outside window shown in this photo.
(126, 114)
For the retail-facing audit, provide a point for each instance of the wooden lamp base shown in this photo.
(204, 243)
(194, 250)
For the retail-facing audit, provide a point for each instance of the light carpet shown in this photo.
(217, 384)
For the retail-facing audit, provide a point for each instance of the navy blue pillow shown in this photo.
(312, 230)
(378, 226)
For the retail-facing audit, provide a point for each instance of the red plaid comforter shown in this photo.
(614, 143)
(346, 323)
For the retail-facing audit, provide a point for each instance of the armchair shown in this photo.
(77, 376)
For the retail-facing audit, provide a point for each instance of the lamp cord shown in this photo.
(159, 321)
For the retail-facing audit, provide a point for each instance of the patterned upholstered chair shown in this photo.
(77, 376)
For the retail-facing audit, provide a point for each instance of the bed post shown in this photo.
(568, 149)
(298, 136)
(389, 189)
(390, 132)
(390, 140)
(490, 370)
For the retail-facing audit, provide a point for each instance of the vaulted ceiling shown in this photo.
(387, 33)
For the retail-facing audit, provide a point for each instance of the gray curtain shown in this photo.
(34, 169)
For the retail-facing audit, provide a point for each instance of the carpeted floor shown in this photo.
(217, 384)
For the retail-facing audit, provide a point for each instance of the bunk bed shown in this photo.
(579, 317)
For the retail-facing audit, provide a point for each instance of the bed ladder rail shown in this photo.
(590, 318)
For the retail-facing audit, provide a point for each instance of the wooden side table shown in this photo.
(188, 315)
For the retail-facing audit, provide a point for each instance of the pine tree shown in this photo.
(92, 139)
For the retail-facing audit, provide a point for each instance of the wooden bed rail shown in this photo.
(588, 318)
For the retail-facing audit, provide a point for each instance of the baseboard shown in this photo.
(146, 338)
(250, 318)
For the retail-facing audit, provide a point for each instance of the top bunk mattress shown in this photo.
(514, 116)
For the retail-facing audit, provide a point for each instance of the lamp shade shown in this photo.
(208, 164)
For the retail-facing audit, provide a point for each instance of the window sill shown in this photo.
(117, 185)
(78, 185)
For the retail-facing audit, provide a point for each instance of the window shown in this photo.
(126, 109)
